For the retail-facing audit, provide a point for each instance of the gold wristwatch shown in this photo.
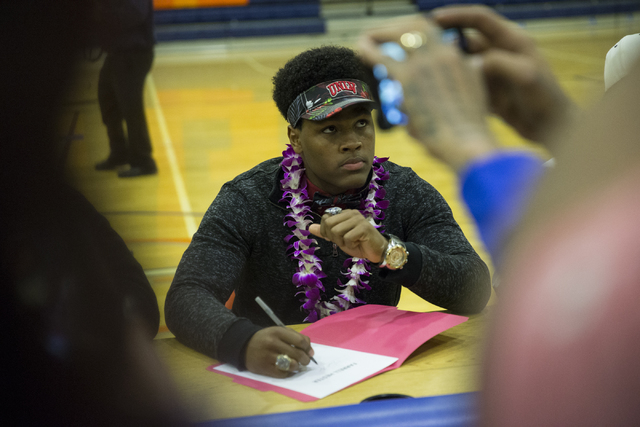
(395, 256)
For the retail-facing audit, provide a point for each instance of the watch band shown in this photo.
(395, 255)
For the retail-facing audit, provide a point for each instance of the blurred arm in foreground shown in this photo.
(562, 348)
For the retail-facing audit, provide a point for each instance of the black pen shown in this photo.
(273, 317)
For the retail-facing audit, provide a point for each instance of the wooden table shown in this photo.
(446, 364)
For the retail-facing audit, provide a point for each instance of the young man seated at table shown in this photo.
(394, 230)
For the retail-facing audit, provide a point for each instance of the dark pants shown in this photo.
(120, 90)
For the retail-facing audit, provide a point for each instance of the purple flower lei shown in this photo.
(309, 275)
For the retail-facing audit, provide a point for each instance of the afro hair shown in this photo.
(315, 66)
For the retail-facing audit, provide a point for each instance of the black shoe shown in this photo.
(134, 171)
(109, 164)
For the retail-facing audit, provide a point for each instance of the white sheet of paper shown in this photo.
(337, 368)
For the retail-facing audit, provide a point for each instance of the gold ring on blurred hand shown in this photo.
(413, 40)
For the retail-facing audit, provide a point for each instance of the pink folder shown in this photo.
(370, 328)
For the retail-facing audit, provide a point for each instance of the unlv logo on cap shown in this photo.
(337, 87)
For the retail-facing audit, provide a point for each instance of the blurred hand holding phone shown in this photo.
(389, 92)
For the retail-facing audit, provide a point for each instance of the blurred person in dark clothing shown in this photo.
(126, 35)
(78, 313)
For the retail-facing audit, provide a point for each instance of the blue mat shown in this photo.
(455, 410)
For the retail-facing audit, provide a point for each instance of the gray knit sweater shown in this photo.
(240, 246)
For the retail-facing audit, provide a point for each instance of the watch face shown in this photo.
(396, 257)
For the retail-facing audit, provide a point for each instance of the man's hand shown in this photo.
(444, 94)
(265, 345)
(521, 86)
(353, 233)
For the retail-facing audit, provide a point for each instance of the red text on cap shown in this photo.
(337, 87)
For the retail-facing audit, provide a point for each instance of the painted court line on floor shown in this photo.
(178, 181)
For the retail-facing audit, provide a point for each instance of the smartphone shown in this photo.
(388, 92)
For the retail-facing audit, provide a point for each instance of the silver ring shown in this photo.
(283, 362)
(413, 40)
(333, 211)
